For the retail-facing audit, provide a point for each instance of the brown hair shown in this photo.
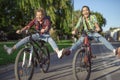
(84, 7)
(40, 10)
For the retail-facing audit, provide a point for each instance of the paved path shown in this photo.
(105, 67)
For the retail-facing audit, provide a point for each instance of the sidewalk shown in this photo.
(8, 67)
(5, 68)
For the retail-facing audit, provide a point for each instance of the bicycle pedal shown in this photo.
(35, 63)
(21, 72)
(41, 65)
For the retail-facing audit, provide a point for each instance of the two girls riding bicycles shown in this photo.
(87, 20)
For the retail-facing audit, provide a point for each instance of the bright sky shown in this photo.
(110, 9)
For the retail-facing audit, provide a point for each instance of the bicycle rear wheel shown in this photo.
(81, 70)
(23, 71)
(44, 59)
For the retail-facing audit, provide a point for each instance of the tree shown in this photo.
(17, 13)
(8, 17)
(100, 18)
(59, 11)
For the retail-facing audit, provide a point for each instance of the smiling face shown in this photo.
(40, 14)
(85, 12)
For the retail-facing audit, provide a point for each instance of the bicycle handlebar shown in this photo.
(27, 32)
(91, 31)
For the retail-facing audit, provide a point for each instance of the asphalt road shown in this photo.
(106, 66)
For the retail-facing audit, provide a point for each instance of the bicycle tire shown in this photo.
(19, 70)
(80, 72)
(44, 59)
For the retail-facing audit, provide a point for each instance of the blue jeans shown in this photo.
(97, 37)
(44, 37)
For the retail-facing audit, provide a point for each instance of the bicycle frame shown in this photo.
(87, 41)
(34, 54)
(82, 58)
(32, 44)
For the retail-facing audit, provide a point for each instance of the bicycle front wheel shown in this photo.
(81, 70)
(23, 70)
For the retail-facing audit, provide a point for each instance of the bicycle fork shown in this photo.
(87, 50)
(30, 57)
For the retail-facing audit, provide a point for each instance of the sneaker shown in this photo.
(118, 52)
(8, 50)
(93, 56)
(66, 52)
(60, 54)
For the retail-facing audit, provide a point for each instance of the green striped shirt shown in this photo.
(91, 22)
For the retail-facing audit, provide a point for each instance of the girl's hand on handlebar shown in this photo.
(97, 29)
(73, 32)
(42, 30)
(18, 31)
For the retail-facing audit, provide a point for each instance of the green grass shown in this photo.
(4, 57)
(7, 59)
